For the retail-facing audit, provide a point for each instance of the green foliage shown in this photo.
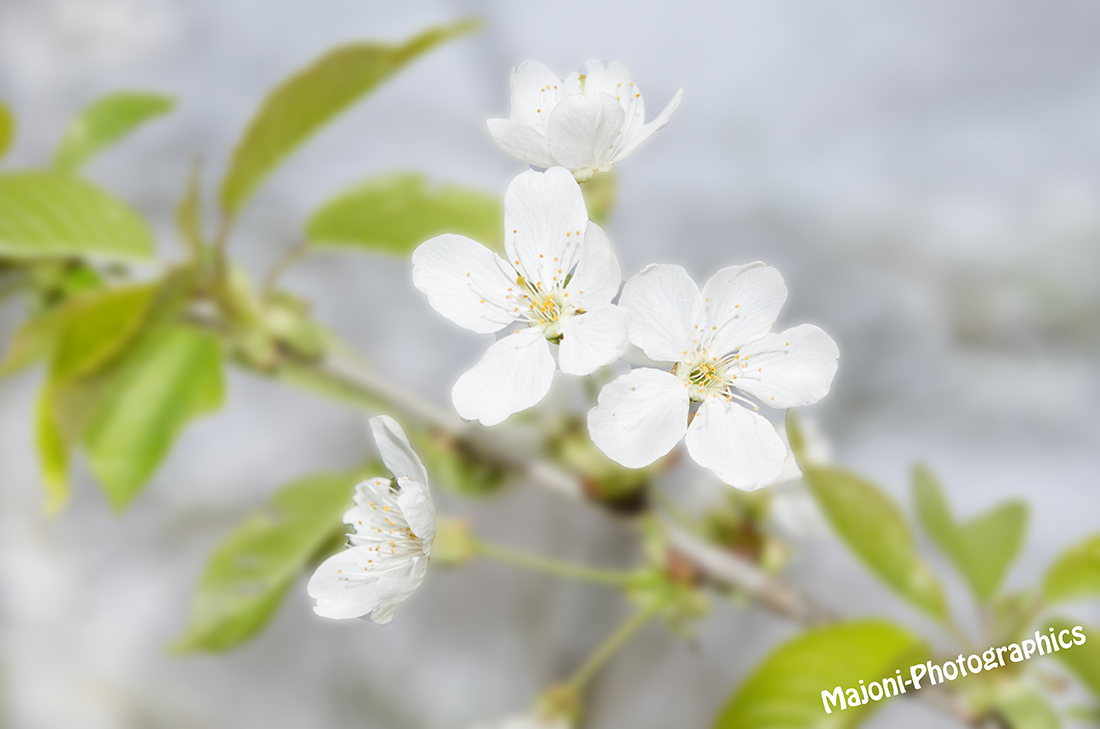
(983, 548)
(453, 467)
(1075, 574)
(312, 97)
(173, 377)
(1025, 708)
(873, 526)
(53, 453)
(189, 216)
(784, 692)
(251, 571)
(104, 122)
(600, 195)
(1082, 660)
(53, 215)
(395, 213)
(7, 130)
(97, 328)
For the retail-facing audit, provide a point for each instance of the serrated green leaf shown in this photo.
(396, 213)
(53, 215)
(1083, 660)
(784, 691)
(250, 572)
(174, 376)
(305, 102)
(983, 548)
(104, 122)
(1025, 708)
(7, 129)
(1075, 574)
(873, 526)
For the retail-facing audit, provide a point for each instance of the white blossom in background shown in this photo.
(394, 524)
(585, 123)
(556, 287)
(724, 356)
(793, 508)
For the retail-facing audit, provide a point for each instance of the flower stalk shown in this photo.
(554, 567)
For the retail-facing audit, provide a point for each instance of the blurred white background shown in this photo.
(925, 175)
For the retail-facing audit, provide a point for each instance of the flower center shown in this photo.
(707, 376)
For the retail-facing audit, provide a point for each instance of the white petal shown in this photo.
(514, 374)
(465, 282)
(522, 142)
(396, 586)
(639, 417)
(789, 369)
(592, 340)
(535, 91)
(739, 445)
(584, 130)
(346, 585)
(640, 134)
(418, 509)
(395, 451)
(664, 305)
(598, 276)
(740, 302)
(614, 80)
(544, 219)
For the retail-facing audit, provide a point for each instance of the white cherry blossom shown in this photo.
(555, 287)
(394, 524)
(723, 356)
(585, 123)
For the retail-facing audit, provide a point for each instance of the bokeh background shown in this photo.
(925, 175)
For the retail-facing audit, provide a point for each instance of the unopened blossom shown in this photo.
(585, 123)
(721, 354)
(393, 523)
(555, 287)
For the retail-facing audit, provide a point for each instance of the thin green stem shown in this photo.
(553, 566)
(280, 267)
(610, 646)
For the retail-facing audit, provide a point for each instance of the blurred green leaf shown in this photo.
(98, 328)
(983, 548)
(396, 213)
(1010, 615)
(104, 122)
(1083, 660)
(174, 376)
(53, 453)
(1075, 574)
(7, 129)
(54, 215)
(600, 195)
(784, 692)
(1025, 708)
(189, 215)
(306, 101)
(250, 572)
(794, 436)
(873, 526)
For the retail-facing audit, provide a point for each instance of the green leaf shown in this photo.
(983, 548)
(396, 213)
(189, 215)
(1024, 708)
(174, 376)
(250, 572)
(600, 195)
(873, 526)
(96, 329)
(309, 99)
(1076, 574)
(104, 122)
(53, 453)
(52, 215)
(784, 692)
(1083, 660)
(7, 130)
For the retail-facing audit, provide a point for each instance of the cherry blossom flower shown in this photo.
(556, 287)
(394, 525)
(585, 123)
(724, 356)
